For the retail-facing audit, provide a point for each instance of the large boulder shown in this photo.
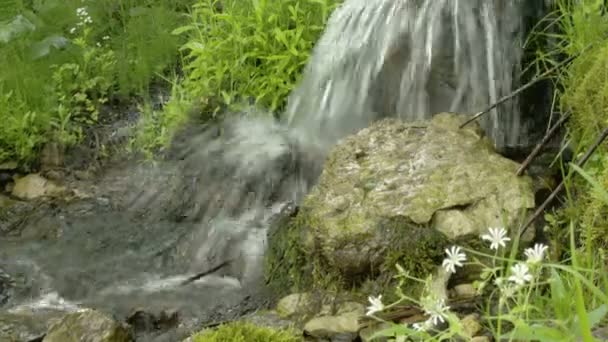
(399, 192)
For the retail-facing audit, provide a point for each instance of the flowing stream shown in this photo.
(151, 228)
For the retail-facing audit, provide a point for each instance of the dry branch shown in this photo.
(561, 185)
(525, 86)
(540, 145)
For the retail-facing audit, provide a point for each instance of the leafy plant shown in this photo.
(244, 51)
(245, 332)
(61, 60)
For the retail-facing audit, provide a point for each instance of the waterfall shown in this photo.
(411, 59)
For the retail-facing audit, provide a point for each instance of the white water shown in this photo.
(411, 59)
(377, 58)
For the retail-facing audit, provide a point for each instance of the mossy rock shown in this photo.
(397, 193)
(88, 325)
(245, 332)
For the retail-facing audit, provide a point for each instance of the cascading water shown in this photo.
(377, 58)
(411, 59)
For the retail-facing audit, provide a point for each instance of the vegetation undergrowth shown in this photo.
(559, 292)
(61, 61)
(237, 54)
(260, 61)
(245, 332)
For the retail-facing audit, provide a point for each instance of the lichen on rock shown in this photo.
(401, 192)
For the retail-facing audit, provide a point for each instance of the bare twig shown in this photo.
(204, 273)
(524, 87)
(540, 145)
(561, 185)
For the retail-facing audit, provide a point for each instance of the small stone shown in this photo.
(480, 339)
(471, 325)
(9, 166)
(55, 175)
(464, 291)
(87, 325)
(344, 323)
(35, 186)
(142, 320)
(293, 304)
(82, 174)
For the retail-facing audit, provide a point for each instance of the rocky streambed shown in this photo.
(129, 248)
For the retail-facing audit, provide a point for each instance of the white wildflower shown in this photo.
(424, 326)
(454, 259)
(536, 254)
(436, 309)
(98, 44)
(519, 274)
(376, 305)
(509, 290)
(105, 37)
(497, 237)
(73, 30)
(499, 281)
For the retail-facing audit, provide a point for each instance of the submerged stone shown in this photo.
(397, 192)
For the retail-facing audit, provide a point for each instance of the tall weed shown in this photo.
(249, 51)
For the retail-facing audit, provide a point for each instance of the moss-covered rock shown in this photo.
(88, 325)
(245, 332)
(397, 192)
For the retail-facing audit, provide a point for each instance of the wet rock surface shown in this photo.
(88, 325)
(430, 182)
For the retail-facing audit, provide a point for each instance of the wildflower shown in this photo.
(520, 274)
(436, 309)
(454, 259)
(73, 30)
(497, 237)
(509, 290)
(424, 326)
(376, 305)
(105, 37)
(98, 44)
(536, 254)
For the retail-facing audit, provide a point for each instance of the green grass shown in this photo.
(245, 332)
(56, 73)
(56, 70)
(243, 52)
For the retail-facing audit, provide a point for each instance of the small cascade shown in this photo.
(411, 59)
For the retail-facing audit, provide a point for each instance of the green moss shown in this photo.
(295, 266)
(286, 267)
(585, 94)
(245, 332)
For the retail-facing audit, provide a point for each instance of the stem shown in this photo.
(524, 87)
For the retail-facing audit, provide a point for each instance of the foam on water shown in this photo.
(48, 301)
